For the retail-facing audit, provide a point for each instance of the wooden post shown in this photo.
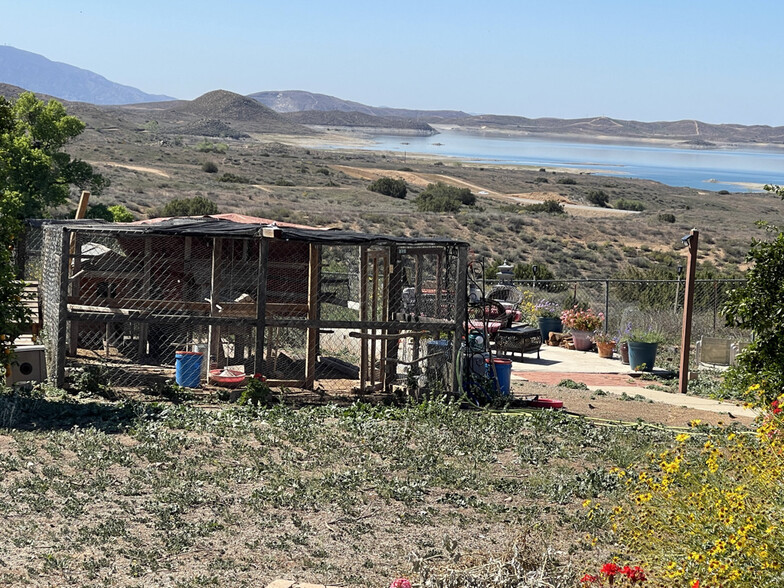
(461, 292)
(314, 277)
(75, 286)
(213, 340)
(394, 304)
(384, 344)
(261, 303)
(374, 317)
(57, 369)
(363, 314)
(688, 309)
(144, 328)
(81, 210)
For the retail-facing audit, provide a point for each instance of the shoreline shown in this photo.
(359, 142)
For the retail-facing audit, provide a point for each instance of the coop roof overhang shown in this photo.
(212, 227)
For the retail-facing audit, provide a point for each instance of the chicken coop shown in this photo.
(308, 308)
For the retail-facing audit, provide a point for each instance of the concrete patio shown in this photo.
(558, 363)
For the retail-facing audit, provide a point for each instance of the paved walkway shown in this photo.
(557, 363)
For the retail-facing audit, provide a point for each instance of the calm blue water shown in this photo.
(715, 169)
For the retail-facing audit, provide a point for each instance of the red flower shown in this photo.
(400, 583)
(610, 569)
(695, 584)
(775, 406)
(589, 579)
(259, 377)
(635, 574)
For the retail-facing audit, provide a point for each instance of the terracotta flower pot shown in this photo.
(605, 349)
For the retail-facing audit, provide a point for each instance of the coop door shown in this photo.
(374, 308)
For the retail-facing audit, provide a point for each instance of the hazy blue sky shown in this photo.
(713, 60)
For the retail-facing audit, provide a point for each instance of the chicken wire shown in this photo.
(338, 317)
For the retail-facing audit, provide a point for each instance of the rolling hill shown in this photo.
(299, 100)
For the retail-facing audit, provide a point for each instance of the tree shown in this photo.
(196, 206)
(441, 197)
(389, 187)
(35, 174)
(759, 306)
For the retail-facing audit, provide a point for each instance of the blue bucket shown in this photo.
(503, 375)
(187, 370)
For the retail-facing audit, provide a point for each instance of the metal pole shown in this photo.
(688, 309)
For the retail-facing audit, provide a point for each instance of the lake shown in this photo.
(735, 169)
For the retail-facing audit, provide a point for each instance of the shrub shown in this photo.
(567, 181)
(541, 181)
(234, 179)
(210, 147)
(708, 511)
(441, 197)
(667, 217)
(635, 205)
(548, 206)
(389, 187)
(197, 206)
(210, 167)
(284, 182)
(598, 197)
(121, 214)
(759, 307)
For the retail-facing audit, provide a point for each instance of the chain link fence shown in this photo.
(644, 304)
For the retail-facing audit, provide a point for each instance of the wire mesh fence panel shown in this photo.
(137, 307)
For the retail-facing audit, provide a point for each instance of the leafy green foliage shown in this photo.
(35, 174)
(441, 197)
(196, 206)
(667, 217)
(758, 305)
(209, 167)
(120, 214)
(389, 187)
(257, 393)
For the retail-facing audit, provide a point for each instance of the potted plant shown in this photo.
(582, 323)
(643, 344)
(605, 344)
(548, 316)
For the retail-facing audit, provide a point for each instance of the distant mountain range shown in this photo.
(41, 75)
(299, 100)
(225, 114)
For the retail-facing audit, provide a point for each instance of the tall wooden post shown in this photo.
(213, 346)
(688, 309)
(261, 303)
(314, 277)
(461, 294)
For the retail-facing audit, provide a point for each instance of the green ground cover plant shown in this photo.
(128, 494)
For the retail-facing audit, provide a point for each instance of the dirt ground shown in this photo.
(612, 407)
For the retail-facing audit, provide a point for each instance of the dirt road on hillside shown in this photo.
(423, 179)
